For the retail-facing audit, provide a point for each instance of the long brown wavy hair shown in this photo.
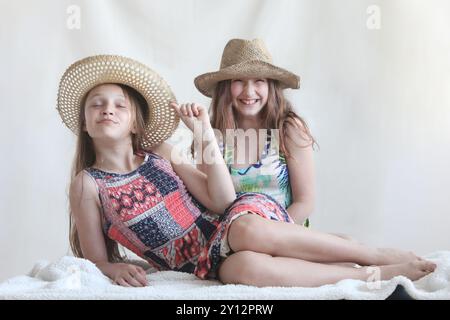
(278, 113)
(85, 157)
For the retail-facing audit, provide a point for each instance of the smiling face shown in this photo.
(249, 96)
(109, 114)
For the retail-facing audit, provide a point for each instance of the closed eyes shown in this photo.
(99, 104)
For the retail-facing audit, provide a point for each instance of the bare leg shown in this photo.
(254, 233)
(259, 269)
(346, 237)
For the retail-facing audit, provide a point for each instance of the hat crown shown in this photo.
(239, 50)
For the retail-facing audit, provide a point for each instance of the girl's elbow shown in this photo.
(225, 203)
(311, 208)
(308, 203)
(230, 199)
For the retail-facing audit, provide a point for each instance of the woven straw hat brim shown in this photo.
(89, 72)
(206, 83)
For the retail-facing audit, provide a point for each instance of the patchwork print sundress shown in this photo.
(150, 212)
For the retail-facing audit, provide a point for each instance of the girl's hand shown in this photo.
(191, 112)
(124, 274)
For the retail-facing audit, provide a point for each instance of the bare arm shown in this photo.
(213, 187)
(301, 173)
(85, 208)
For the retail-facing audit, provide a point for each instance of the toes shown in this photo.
(428, 266)
(433, 267)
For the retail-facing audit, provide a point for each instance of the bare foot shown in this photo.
(412, 270)
(388, 256)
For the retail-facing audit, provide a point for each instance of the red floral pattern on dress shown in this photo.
(150, 212)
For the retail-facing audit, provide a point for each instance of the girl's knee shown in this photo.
(240, 268)
(244, 231)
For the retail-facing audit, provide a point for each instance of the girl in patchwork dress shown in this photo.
(131, 188)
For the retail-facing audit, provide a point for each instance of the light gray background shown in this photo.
(377, 101)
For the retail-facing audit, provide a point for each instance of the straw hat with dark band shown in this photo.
(244, 58)
(89, 72)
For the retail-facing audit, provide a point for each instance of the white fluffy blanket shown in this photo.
(73, 278)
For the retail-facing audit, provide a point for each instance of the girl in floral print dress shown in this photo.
(247, 97)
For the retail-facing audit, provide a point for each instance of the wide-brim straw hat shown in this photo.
(245, 58)
(87, 73)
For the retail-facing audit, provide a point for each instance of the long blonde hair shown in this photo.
(278, 113)
(85, 157)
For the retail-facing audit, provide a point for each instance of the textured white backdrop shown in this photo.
(377, 100)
